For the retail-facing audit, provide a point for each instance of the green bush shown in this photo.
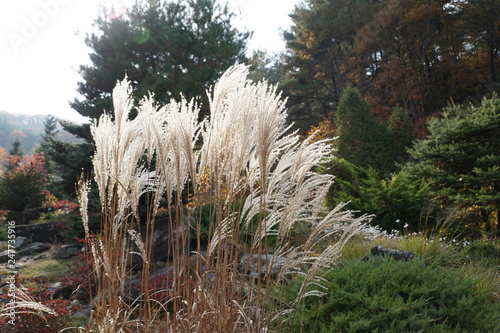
(461, 158)
(75, 229)
(382, 295)
(396, 202)
(3, 233)
(485, 252)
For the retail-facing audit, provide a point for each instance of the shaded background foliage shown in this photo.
(415, 54)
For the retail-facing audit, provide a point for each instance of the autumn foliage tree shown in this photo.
(23, 185)
(418, 54)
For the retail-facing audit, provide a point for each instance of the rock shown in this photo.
(33, 248)
(163, 238)
(48, 232)
(55, 286)
(83, 312)
(6, 256)
(397, 255)
(40, 256)
(160, 264)
(29, 250)
(67, 251)
(21, 242)
(82, 295)
(63, 293)
(270, 264)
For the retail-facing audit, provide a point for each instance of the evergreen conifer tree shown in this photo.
(362, 139)
(400, 129)
(461, 158)
(172, 48)
(16, 148)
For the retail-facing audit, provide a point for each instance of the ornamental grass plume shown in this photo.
(256, 178)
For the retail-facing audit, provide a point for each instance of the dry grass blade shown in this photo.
(22, 302)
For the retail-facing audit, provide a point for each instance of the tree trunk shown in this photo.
(492, 59)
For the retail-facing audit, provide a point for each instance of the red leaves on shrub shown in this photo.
(31, 322)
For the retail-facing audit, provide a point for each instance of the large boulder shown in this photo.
(21, 242)
(67, 251)
(33, 248)
(380, 251)
(49, 232)
(165, 238)
(28, 250)
(6, 256)
(266, 264)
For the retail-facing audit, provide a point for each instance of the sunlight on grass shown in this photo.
(49, 269)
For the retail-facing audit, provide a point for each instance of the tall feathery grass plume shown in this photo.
(253, 175)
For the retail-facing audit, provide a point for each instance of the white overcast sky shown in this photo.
(42, 45)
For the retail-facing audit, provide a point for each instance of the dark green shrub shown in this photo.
(363, 139)
(205, 220)
(487, 252)
(3, 233)
(75, 229)
(383, 295)
(395, 201)
(460, 157)
(204, 216)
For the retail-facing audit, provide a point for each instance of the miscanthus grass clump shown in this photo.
(259, 181)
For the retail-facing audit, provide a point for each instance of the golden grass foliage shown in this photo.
(245, 162)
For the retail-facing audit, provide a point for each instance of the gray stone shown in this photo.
(30, 249)
(84, 312)
(270, 264)
(164, 238)
(63, 293)
(21, 242)
(82, 295)
(49, 232)
(33, 248)
(397, 255)
(67, 251)
(4, 256)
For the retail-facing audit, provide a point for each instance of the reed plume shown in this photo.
(257, 177)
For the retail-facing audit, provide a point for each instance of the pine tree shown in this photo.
(462, 159)
(321, 43)
(17, 148)
(48, 142)
(16, 153)
(363, 139)
(172, 48)
(23, 186)
(401, 131)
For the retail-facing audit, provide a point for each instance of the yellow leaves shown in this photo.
(202, 195)
(50, 199)
(325, 130)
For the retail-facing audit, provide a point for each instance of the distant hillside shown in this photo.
(27, 129)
